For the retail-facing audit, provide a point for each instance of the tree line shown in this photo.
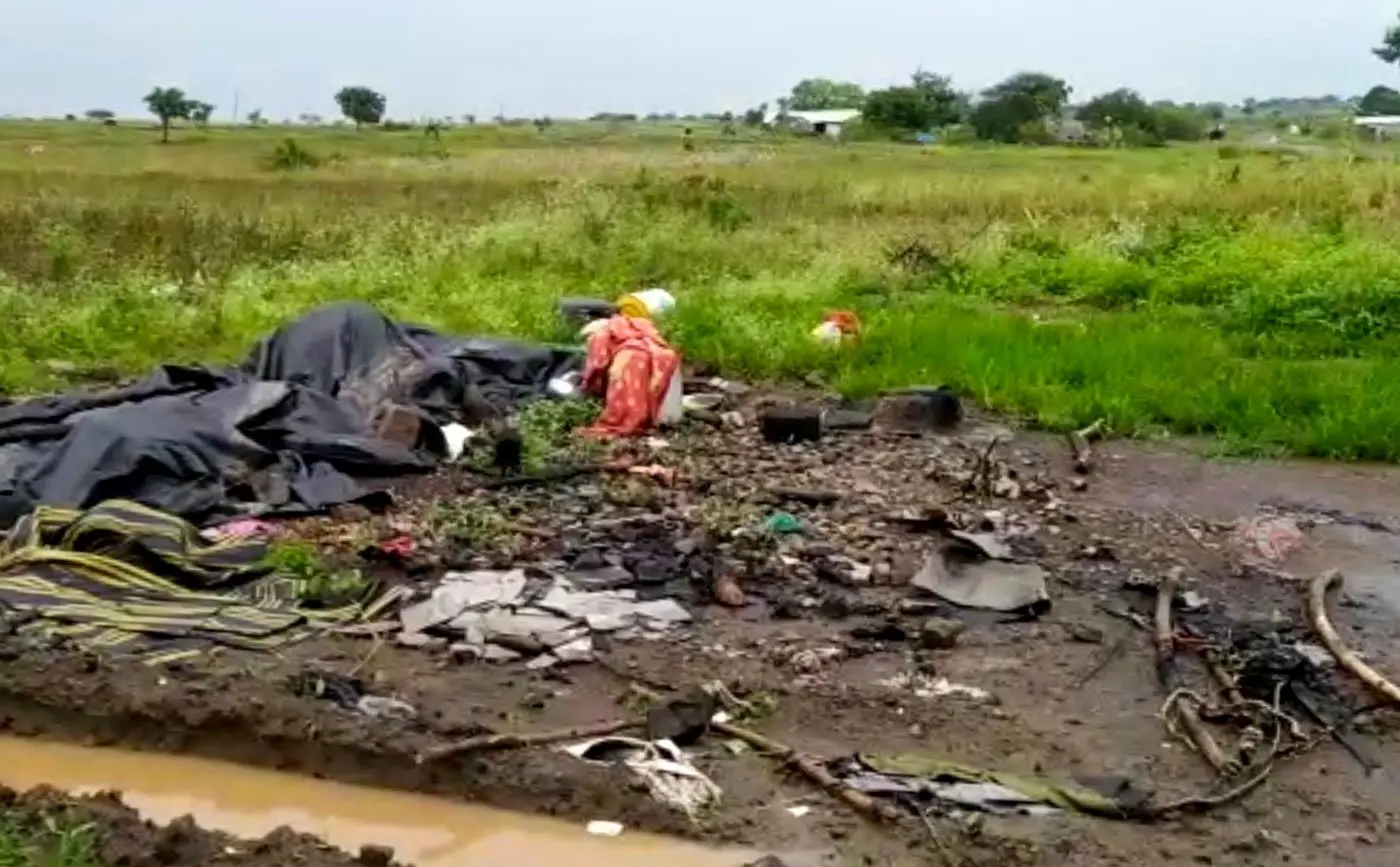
(1027, 107)
(360, 105)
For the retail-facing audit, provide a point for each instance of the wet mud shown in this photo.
(834, 655)
(119, 836)
(251, 804)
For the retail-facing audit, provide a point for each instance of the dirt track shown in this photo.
(1074, 692)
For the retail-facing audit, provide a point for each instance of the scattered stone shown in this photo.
(941, 633)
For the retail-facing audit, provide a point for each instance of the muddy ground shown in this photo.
(834, 653)
(117, 836)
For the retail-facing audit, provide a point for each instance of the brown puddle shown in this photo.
(250, 802)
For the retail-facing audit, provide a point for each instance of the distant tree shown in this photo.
(310, 118)
(543, 123)
(1250, 107)
(756, 115)
(927, 102)
(99, 114)
(816, 94)
(1122, 110)
(70, 117)
(361, 105)
(784, 108)
(1214, 110)
(1018, 108)
(168, 104)
(1380, 100)
(1182, 123)
(1389, 49)
(255, 117)
(201, 112)
(469, 119)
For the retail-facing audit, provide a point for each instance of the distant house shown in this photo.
(827, 122)
(1071, 131)
(1380, 125)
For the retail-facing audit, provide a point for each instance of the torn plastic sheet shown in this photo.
(669, 776)
(916, 777)
(291, 430)
(984, 797)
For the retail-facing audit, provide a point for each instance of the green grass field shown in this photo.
(1254, 296)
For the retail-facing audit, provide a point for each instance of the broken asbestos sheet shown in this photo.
(502, 616)
(976, 571)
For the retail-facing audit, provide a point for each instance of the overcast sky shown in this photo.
(577, 57)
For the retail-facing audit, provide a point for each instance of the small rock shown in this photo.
(1079, 484)
(812, 659)
(376, 856)
(589, 559)
(728, 592)
(941, 633)
(1318, 657)
(1084, 633)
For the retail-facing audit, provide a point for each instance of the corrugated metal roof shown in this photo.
(833, 115)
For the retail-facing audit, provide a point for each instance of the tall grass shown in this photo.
(1251, 296)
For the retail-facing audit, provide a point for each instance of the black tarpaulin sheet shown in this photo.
(289, 430)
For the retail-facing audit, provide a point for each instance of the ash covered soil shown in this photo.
(821, 632)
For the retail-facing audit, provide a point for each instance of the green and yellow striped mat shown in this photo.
(126, 579)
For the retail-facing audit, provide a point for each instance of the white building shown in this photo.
(1381, 125)
(827, 122)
